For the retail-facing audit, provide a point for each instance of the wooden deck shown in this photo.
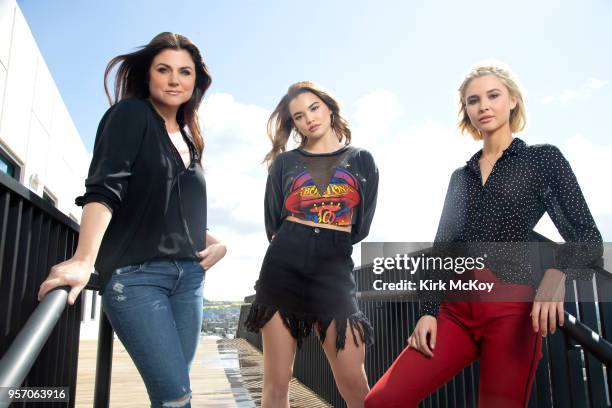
(225, 373)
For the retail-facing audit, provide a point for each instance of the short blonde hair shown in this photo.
(518, 117)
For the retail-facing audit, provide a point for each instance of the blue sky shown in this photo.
(419, 50)
(395, 66)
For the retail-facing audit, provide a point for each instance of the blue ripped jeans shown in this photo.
(156, 310)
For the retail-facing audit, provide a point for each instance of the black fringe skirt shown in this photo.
(307, 277)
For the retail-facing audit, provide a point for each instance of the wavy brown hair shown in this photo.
(518, 115)
(132, 78)
(281, 126)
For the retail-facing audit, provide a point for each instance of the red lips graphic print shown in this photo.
(335, 206)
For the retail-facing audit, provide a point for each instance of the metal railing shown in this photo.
(104, 354)
(23, 352)
(573, 372)
(40, 342)
(34, 236)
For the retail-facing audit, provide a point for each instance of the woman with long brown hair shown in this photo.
(144, 214)
(319, 201)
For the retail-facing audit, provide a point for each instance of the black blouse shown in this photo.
(158, 205)
(524, 183)
(350, 170)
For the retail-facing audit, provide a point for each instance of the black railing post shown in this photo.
(104, 363)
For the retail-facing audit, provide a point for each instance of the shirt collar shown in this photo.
(513, 149)
(155, 113)
(160, 118)
(162, 122)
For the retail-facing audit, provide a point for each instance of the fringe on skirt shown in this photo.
(301, 324)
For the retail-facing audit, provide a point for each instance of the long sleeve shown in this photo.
(362, 228)
(118, 140)
(446, 234)
(273, 200)
(566, 206)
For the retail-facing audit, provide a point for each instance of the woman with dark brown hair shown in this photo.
(144, 214)
(319, 201)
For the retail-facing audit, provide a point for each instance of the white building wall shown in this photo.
(6, 31)
(35, 125)
(36, 128)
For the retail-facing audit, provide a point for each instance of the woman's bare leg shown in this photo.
(348, 366)
(279, 353)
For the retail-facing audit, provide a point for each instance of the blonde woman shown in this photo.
(497, 197)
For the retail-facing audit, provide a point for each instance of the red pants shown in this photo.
(499, 333)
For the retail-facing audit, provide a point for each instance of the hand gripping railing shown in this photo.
(24, 350)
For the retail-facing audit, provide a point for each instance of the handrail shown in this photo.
(588, 339)
(104, 355)
(582, 334)
(25, 348)
(27, 345)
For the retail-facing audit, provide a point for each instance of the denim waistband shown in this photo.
(158, 261)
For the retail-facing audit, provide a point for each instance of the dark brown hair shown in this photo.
(132, 78)
(280, 124)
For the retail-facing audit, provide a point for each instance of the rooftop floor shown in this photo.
(225, 373)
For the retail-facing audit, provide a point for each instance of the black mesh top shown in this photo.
(337, 188)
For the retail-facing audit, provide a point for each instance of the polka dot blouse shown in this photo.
(525, 182)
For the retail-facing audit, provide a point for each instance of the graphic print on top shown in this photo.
(334, 206)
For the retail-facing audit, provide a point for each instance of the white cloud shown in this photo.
(571, 94)
(234, 276)
(548, 99)
(595, 83)
(567, 95)
(236, 142)
(415, 164)
(376, 112)
(592, 165)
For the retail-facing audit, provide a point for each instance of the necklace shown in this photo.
(489, 161)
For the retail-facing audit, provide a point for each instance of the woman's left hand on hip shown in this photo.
(212, 254)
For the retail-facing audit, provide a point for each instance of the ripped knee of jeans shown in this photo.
(179, 402)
